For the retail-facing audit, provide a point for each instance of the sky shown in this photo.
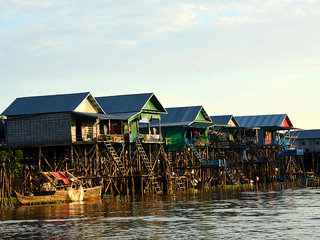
(239, 57)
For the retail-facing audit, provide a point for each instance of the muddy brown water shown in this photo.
(263, 214)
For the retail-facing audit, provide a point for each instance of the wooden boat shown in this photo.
(63, 187)
(57, 196)
(90, 194)
(93, 193)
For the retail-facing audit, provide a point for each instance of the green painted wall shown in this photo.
(175, 138)
(201, 117)
(132, 121)
(150, 106)
(134, 130)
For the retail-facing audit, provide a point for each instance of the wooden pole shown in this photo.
(39, 157)
(72, 160)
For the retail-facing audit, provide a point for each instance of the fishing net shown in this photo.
(76, 192)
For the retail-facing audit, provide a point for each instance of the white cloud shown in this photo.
(284, 83)
(127, 45)
(179, 17)
(223, 45)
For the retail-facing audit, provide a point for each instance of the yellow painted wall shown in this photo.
(231, 123)
(86, 107)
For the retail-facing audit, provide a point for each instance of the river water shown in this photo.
(280, 214)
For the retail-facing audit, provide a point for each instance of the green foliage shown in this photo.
(14, 159)
(45, 202)
(14, 201)
(107, 196)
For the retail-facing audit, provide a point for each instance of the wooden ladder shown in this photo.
(156, 185)
(230, 175)
(297, 166)
(243, 176)
(195, 151)
(180, 184)
(115, 157)
(146, 162)
(165, 156)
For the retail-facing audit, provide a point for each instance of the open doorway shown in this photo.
(78, 130)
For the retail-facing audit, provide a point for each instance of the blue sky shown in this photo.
(232, 57)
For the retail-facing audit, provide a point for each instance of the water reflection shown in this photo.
(282, 214)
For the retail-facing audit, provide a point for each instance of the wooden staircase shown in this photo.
(165, 157)
(230, 175)
(115, 157)
(242, 175)
(195, 150)
(156, 185)
(146, 162)
(180, 183)
(297, 166)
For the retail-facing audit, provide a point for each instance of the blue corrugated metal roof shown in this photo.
(309, 134)
(46, 104)
(122, 116)
(223, 119)
(181, 116)
(98, 115)
(128, 103)
(273, 120)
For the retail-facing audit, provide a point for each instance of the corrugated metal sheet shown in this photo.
(310, 134)
(128, 103)
(201, 124)
(97, 115)
(181, 116)
(122, 116)
(45, 104)
(274, 120)
(223, 119)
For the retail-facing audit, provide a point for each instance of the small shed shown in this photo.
(309, 140)
(139, 112)
(52, 119)
(223, 130)
(183, 124)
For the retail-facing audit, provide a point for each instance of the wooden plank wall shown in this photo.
(37, 130)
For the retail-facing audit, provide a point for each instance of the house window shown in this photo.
(303, 143)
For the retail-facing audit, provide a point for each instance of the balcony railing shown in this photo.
(119, 138)
(150, 138)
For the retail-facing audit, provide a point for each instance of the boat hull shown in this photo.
(90, 194)
(58, 196)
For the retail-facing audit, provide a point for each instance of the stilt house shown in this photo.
(224, 130)
(309, 140)
(182, 125)
(275, 129)
(138, 113)
(53, 120)
(224, 120)
(272, 130)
